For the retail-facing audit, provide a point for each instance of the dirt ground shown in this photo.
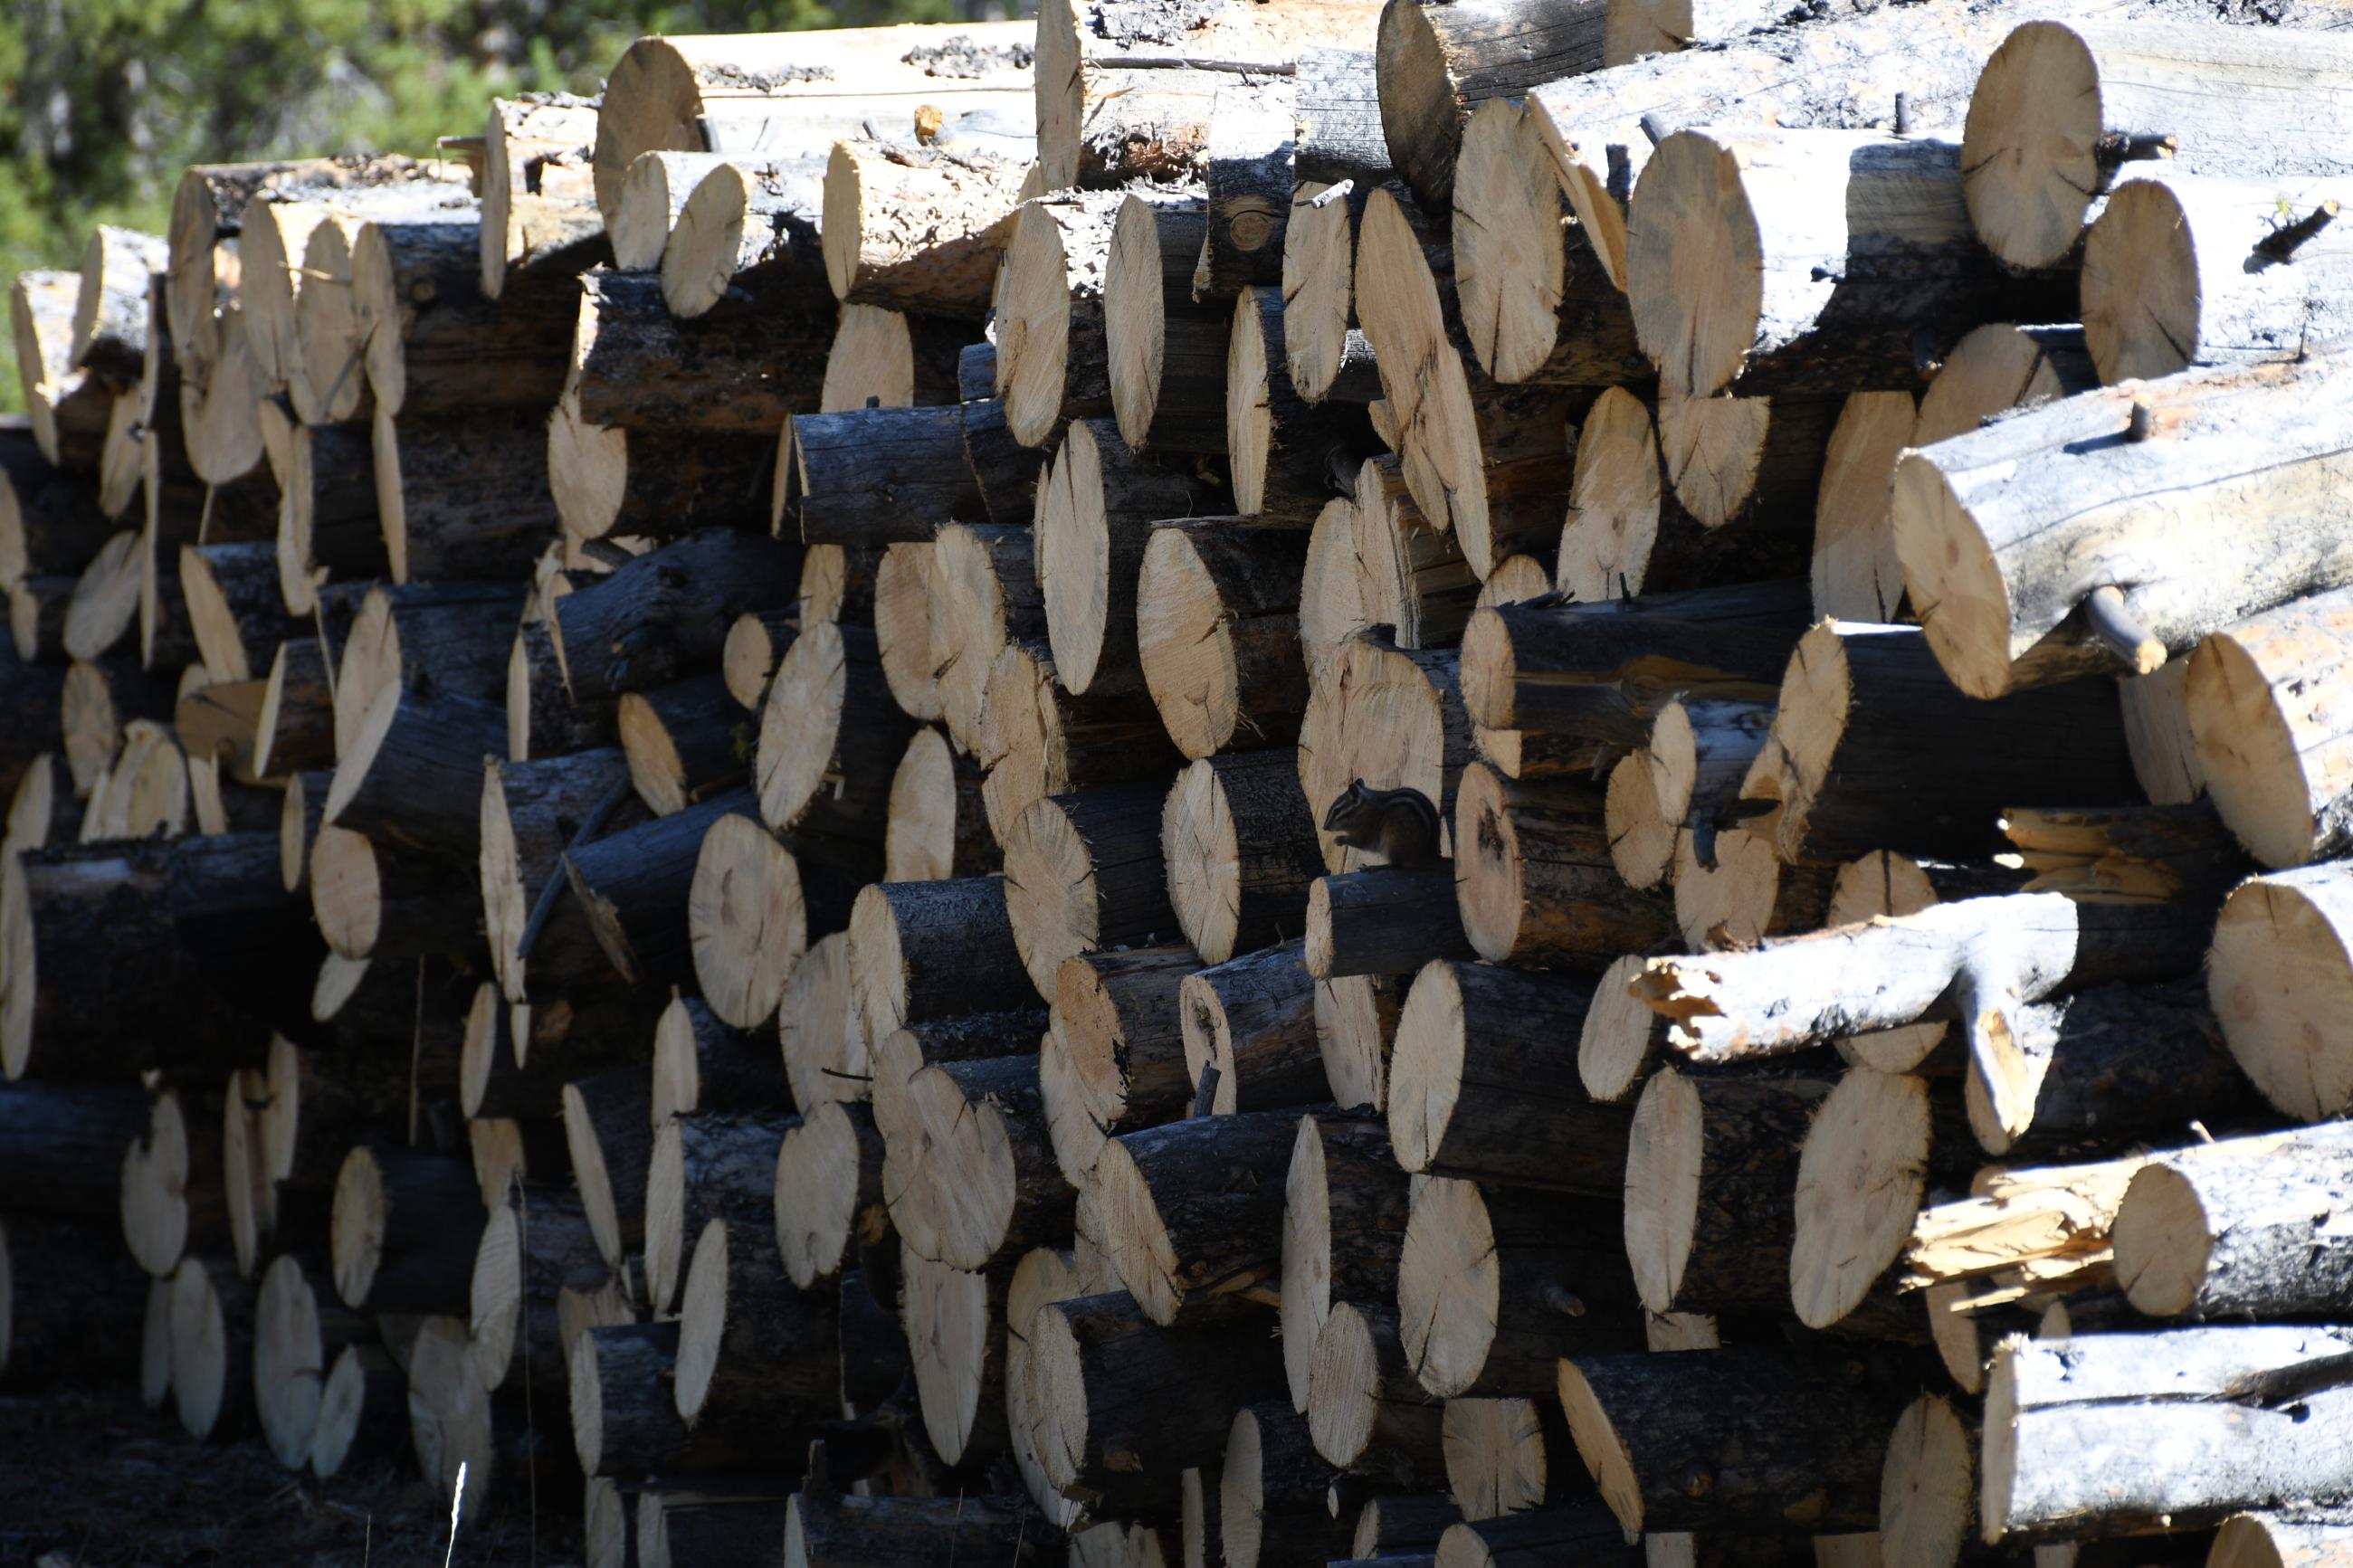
(88, 1479)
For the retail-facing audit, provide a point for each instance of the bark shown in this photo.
(1344, 1219)
(665, 615)
(921, 951)
(1252, 1020)
(434, 338)
(878, 476)
(50, 525)
(915, 228)
(1289, 457)
(1218, 632)
(1382, 922)
(1272, 1494)
(1238, 900)
(1114, 1057)
(1537, 886)
(407, 1223)
(1082, 874)
(635, 366)
(830, 737)
(635, 886)
(656, 484)
(2244, 1227)
(1438, 64)
(1364, 1407)
(1196, 1215)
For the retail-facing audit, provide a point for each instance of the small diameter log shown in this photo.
(713, 1163)
(2062, 106)
(1326, 357)
(1382, 922)
(432, 339)
(384, 903)
(1537, 884)
(660, 907)
(1272, 1504)
(1100, 1374)
(235, 614)
(826, 1529)
(530, 813)
(1195, 1213)
(1250, 167)
(2240, 1227)
(684, 742)
(1583, 1533)
(1364, 1407)
(1508, 1456)
(1343, 1220)
(1289, 457)
(539, 218)
(328, 527)
(1855, 573)
(938, 823)
(921, 951)
(1053, 360)
(972, 1181)
(828, 1191)
(2269, 742)
(1627, 530)
(917, 229)
(2277, 1540)
(955, 1332)
(405, 1229)
(750, 1347)
(212, 1348)
(110, 319)
(1862, 704)
(1218, 633)
(1482, 1083)
(2000, 366)
(2242, 1420)
(1238, 839)
(1622, 1040)
(1494, 1286)
(1783, 1437)
(903, 631)
(635, 366)
(1437, 68)
(530, 1250)
(747, 228)
(2275, 971)
(1487, 463)
(1114, 1057)
(875, 476)
(412, 774)
(1535, 303)
(1251, 1020)
(1037, 740)
(1167, 359)
(984, 595)
(1082, 874)
(830, 737)
(609, 1133)
(625, 1422)
(700, 1062)
(1806, 311)
(1711, 1181)
(1985, 538)
(1094, 519)
(1870, 1151)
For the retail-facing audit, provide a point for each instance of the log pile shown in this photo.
(1283, 783)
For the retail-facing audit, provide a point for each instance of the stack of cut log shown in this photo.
(1510, 782)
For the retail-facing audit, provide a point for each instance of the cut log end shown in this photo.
(1927, 1495)
(1690, 222)
(1860, 1183)
(2028, 146)
(2281, 987)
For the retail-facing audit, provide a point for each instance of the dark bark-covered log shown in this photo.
(1364, 1411)
(637, 367)
(1783, 1437)
(709, 1164)
(74, 1310)
(405, 1225)
(436, 638)
(1237, 899)
(1507, 1456)
(1382, 922)
(747, 231)
(1003, 469)
(938, 816)
(684, 742)
(1252, 1021)
(385, 902)
(328, 529)
(1084, 873)
(655, 484)
(110, 321)
(434, 339)
(530, 813)
(636, 888)
(1195, 1213)
(921, 951)
(607, 1130)
(1343, 1217)
(1494, 1286)
(1113, 1058)
(542, 720)
(1537, 884)
(876, 475)
(1289, 457)
(50, 523)
(1437, 64)
(1711, 1179)
(665, 615)
(1482, 1083)
(1099, 1375)
(700, 1062)
(412, 776)
(532, 1247)
(750, 1346)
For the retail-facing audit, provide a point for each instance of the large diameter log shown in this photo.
(1711, 1182)
(2062, 103)
(1343, 1217)
(1382, 922)
(876, 475)
(1356, 1028)
(917, 229)
(747, 228)
(828, 1191)
(1535, 303)
(1165, 364)
(2172, 1430)
(1195, 1213)
(972, 1181)
(1325, 355)
(1794, 311)
(1114, 1057)
(2240, 1227)
(1481, 1084)
(1406, 574)
(2276, 970)
(1759, 1438)
(1494, 1286)
(921, 951)
(1100, 1374)
(2008, 534)
(746, 91)
(1084, 873)
(955, 1329)
(1094, 519)
(1250, 1032)
(2270, 742)
(635, 366)
(2184, 270)
(1872, 1146)
(1537, 884)
(1437, 64)
(1864, 704)
(1217, 632)
(406, 1226)
(1239, 841)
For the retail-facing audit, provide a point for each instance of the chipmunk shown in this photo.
(1400, 825)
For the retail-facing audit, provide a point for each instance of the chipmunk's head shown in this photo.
(1345, 806)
